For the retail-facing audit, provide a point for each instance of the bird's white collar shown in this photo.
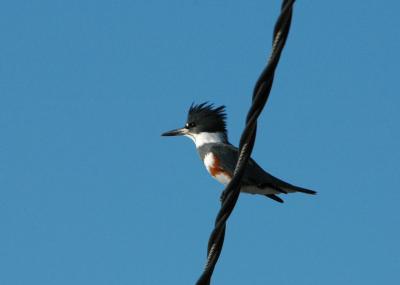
(205, 137)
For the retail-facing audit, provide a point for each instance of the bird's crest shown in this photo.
(208, 117)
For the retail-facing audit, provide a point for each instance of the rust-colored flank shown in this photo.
(215, 169)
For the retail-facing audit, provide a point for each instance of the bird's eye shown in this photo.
(190, 125)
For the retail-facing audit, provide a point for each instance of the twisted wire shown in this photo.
(261, 92)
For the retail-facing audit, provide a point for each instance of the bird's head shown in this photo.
(205, 124)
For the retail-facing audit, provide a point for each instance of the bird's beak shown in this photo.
(177, 132)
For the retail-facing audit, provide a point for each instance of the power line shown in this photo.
(260, 96)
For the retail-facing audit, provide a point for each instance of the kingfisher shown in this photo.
(206, 126)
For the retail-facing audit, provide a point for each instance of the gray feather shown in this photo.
(255, 179)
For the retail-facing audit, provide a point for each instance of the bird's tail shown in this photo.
(288, 188)
(281, 186)
(292, 188)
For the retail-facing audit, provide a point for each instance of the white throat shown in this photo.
(203, 138)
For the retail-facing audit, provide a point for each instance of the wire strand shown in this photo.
(261, 92)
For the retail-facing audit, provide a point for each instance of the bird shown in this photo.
(206, 126)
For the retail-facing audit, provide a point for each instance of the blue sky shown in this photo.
(91, 194)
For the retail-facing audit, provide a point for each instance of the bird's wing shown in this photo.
(228, 156)
(254, 174)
